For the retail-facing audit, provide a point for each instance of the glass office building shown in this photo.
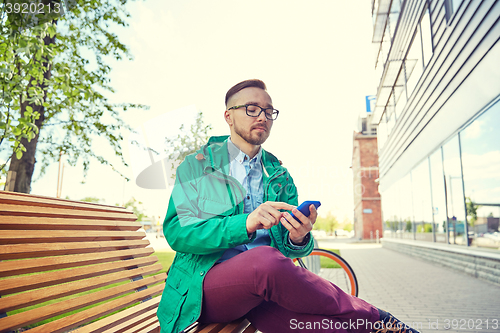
(438, 118)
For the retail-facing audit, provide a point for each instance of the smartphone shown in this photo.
(304, 208)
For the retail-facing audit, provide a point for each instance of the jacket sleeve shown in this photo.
(281, 241)
(186, 232)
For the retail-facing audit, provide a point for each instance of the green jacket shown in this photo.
(205, 217)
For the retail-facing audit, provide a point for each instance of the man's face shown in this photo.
(254, 130)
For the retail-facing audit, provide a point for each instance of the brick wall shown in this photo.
(366, 194)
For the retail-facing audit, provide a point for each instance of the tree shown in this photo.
(188, 142)
(136, 207)
(328, 223)
(471, 211)
(408, 225)
(54, 77)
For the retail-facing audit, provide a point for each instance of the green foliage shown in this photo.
(92, 200)
(408, 225)
(327, 224)
(57, 73)
(188, 142)
(392, 224)
(136, 207)
(426, 227)
(20, 71)
(471, 211)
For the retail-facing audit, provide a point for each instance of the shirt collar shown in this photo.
(236, 153)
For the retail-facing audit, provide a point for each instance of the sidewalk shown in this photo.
(415, 291)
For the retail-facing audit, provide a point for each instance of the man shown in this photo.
(228, 220)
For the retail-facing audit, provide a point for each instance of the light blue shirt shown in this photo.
(249, 173)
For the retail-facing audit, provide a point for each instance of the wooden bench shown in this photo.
(68, 265)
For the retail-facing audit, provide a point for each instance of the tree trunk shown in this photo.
(23, 168)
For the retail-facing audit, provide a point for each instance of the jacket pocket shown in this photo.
(209, 208)
(174, 295)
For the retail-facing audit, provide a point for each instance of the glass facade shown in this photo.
(438, 196)
(480, 147)
(422, 204)
(453, 195)
(454, 191)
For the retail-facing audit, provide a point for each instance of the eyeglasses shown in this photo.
(255, 111)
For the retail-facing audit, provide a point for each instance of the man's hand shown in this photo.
(266, 216)
(299, 231)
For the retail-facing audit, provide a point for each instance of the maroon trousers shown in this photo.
(277, 296)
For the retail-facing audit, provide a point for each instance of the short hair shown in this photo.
(245, 84)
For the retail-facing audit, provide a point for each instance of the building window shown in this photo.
(419, 54)
(425, 31)
(422, 205)
(414, 65)
(451, 7)
(454, 192)
(385, 47)
(393, 17)
(438, 196)
(406, 202)
(481, 169)
(390, 209)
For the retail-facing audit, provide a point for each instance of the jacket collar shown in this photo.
(216, 155)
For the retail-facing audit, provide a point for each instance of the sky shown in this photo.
(316, 59)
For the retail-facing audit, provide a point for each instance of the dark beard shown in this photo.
(253, 140)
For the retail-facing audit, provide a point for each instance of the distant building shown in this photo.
(367, 208)
(437, 114)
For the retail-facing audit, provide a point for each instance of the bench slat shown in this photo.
(208, 328)
(61, 236)
(250, 329)
(21, 210)
(22, 251)
(39, 296)
(17, 267)
(61, 223)
(144, 320)
(236, 326)
(71, 321)
(144, 326)
(123, 319)
(52, 310)
(29, 282)
(42, 201)
(155, 329)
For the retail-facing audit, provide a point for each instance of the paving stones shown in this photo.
(434, 298)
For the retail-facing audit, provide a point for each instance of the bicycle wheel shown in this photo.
(331, 267)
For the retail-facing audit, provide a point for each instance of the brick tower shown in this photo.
(367, 203)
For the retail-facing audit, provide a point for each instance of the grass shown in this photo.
(324, 261)
(328, 263)
(165, 259)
